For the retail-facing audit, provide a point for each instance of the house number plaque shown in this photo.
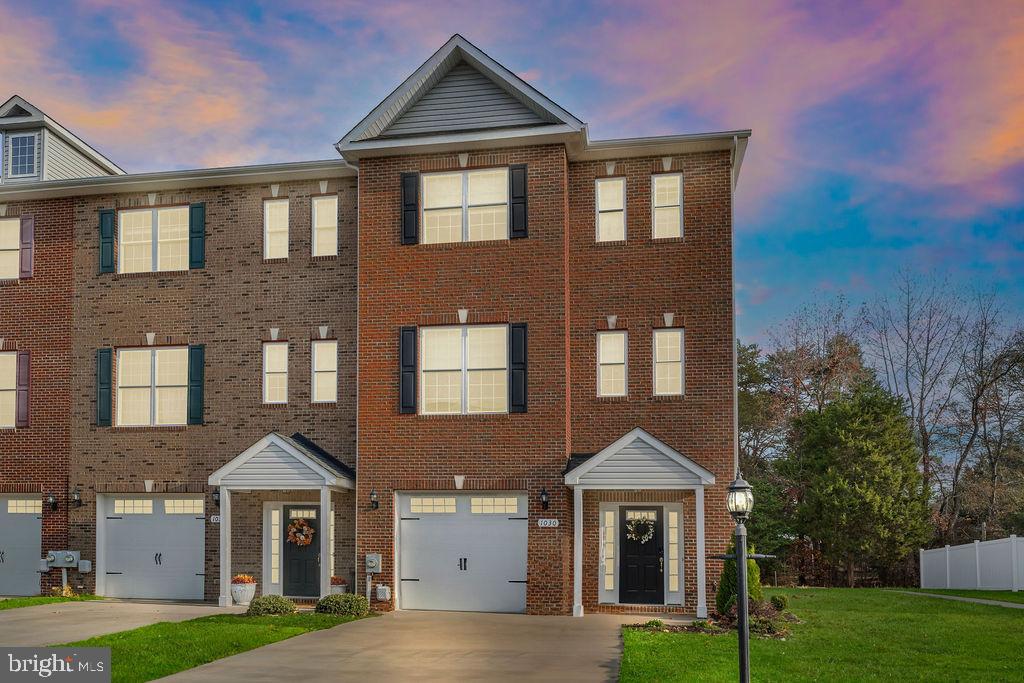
(547, 523)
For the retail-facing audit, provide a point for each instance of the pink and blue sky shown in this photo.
(886, 134)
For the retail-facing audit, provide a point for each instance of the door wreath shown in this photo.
(641, 530)
(300, 532)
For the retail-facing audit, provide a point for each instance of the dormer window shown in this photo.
(22, 155)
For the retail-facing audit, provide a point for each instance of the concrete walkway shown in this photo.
(958, 598)
(66, 622)
(451, 646)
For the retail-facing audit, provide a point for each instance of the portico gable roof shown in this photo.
(638, 460)
(280, 462)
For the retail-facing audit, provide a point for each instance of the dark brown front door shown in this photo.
(302, 562)
(641, 563)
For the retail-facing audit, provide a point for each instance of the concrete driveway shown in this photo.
(66, 622)
(452, 646)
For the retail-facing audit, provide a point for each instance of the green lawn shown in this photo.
(848, 635)
(158, 650)
(1005, 596)
(12, 603)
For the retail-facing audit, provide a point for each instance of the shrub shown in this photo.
(346, 603)
(655, 623)
(726, 596)
(270, 604)
(780, 602)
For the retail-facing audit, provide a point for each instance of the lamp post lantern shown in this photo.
(740, 501)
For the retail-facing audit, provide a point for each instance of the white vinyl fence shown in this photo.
(991, 565)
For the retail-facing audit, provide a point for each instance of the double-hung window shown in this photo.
(22, 155)
(464, 369)
(325, 371)
(275, 372)
(667, 205)
(611, 363)
(275, 229)
(153, 240)
(152, 387)
(325, 226)
(10, 248)
(611, 209)
(8, 389)
(465, 206)
(668, 362)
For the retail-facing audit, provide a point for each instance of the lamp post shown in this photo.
(740, 501)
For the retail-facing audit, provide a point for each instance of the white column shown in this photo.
(577, 551)
(702, 587)
(225, 547)
(1014, 566)
(977, 564)
(325, 541)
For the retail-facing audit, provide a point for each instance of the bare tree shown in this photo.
(914, 338)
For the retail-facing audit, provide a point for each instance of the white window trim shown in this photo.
(312, 223)
(598, 212)
(152, 387)
(466, 206)
(313, 371)
(288, 227)
(682, 360)
(10, 155)
(625, 363)
(154, 266)
(263, 351)
(682, 226)
(464, 369)
(611, 597)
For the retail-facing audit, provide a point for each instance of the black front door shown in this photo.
(641, 560)
(302, 562)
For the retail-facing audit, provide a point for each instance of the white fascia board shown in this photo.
(180, 180)
(330, 478)
(485, 139)
(572, 478)
(596, 150)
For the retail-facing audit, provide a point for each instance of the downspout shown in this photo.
(732, 293)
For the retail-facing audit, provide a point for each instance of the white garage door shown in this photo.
(154, 547)
(20, 545)
(464, 552)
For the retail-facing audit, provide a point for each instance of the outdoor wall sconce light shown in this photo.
(374, 500)
(51, 501)
(216, 497)
(76, 498)
(544, 498)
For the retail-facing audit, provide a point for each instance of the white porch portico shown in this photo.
(637, 463)
(280, 463)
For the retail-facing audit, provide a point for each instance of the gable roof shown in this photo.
(17, 113)
(458, 91)
(637, 460)
(280, 462)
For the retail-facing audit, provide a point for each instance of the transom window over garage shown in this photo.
(465, 206)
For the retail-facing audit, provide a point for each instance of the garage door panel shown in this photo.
(154, 550)
(457, 557)
(20, 547)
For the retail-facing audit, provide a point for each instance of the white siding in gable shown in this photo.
(63, 162)
(639, 465)
(464, 99)
(274, 465)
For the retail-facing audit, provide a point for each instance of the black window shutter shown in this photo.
(197, 236)
(28, 245)
(107, 240)
(22, 381)
(104, 364)
(517, 201)
(410, 208)
(196, 372)
(517, 368)
(407, 370)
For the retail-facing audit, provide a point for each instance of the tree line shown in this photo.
(870, 431)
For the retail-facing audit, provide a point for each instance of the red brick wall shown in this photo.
(35, 315)
(230, 307)
(520, 280)
(640, 279)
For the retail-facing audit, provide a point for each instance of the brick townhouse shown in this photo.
(477, 362)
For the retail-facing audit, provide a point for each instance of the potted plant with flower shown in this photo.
(243, 589)
(339, 585)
